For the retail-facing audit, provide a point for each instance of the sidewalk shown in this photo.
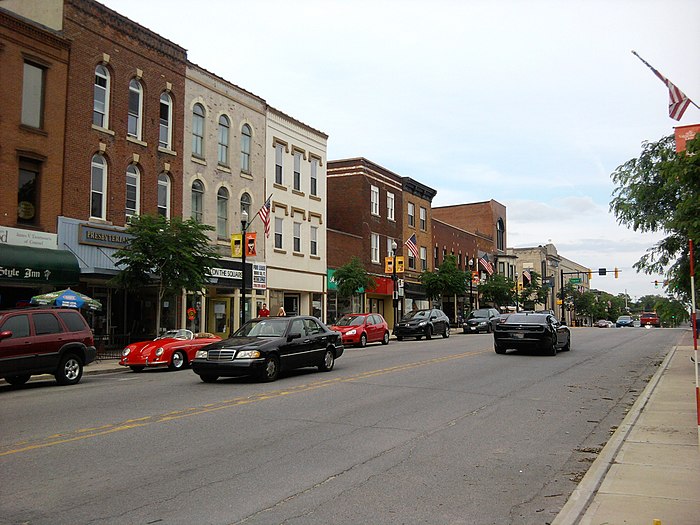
(650, 468)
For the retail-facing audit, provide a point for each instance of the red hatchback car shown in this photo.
(360, 329)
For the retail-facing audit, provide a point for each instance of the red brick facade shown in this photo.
(480, 218)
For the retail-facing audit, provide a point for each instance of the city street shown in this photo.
(439, 431)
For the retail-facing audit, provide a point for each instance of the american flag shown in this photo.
(486, 265)
(412, 244)
(526, 275)
(265, 215)
(678, 101)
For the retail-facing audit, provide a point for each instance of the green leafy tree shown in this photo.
(499, 290)
(445, 281)
(660, 192)
(671, 312)
(172, 254)
(352, 277)
(533, 293)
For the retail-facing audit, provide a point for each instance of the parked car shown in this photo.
(624, 320)
(175, 349)
(360, 329)
(649, 319)
(55, 341)
(604, 323)
(481, 320)
(267, 345)
(526, 331)
(420, 323)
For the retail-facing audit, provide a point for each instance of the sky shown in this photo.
(533, 104)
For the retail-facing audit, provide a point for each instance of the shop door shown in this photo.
(219, 315)
(291, 304)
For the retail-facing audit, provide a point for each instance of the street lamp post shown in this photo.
(244, 227)
(516, 292)
(471, 280)
(395, 281)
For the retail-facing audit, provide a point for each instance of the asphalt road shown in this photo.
(438, 432)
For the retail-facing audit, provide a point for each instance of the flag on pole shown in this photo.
(527, 276)
(412, 245)
(678, 101)
(485, 264)
(264, 213)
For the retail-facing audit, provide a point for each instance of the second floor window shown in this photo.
(411, 214)
(198, 131)
(374, 198)
(28, 191)
(246, 138)
(100, 105)
(279, 152)
(297, 171)
(375, 248)
(313, 190)
(314, 240)
(164, 195)
(500, 234)
(197, 212)
(33, 96)
(245, 205)
(166, 122)
(278, 233)
(423, 219)
(423, 258)
(98, 187)
(222, 213)
(135, 109)
(224, 127)
(132, 191)
(297, 237)
(390, 206)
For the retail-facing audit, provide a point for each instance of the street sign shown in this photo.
(575, 280)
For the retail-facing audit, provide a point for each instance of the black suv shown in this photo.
(421, 323)
(481, 320)
(55, 341)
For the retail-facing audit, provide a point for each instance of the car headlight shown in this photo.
(126, 351)
(482, 323)
(159, 352)
(201, 354)
(422, 323)
(351, 332)
(247, 354)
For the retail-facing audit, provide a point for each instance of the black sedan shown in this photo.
(481, 320)
(263, 347)
(419, 323)
(526, 331)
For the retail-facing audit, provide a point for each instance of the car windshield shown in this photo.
(624, 318)
(351, 320)
(479, 313)
(527, 319)
(265, 327)
(418, 314)
(177, 334)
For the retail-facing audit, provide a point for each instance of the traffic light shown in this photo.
(590, 275)
(656, 284)
(602, 271)
(617, 273)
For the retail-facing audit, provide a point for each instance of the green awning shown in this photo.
(32, 266)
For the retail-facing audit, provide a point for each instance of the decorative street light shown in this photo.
(244, 227)
(395, 281)
(471, 280)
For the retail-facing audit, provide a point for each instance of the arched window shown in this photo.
(100, 104)
(135, 109)
(222, 213)
(98, 188)
(197, 201)
(500, 234)
(133, 183)
(245, 205)
(198, 130)
(164, 195)
(224, 127)
(246, 135)
(166, 121)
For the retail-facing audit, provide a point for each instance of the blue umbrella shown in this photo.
(67, 298)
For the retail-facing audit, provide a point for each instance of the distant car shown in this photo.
(526, 331)
(174, 350)
(481, 320)
(624, 320)
(604, 323)
(55, 341)
(649, 319)
(420, 323)
(265, 346)
(360, 329)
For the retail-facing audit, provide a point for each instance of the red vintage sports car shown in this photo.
(360, 329)
(175, 349)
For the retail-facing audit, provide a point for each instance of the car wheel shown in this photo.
(328, 361)
(567, 346)
(385, 340)
(446, 333)
(70, 370)
(363, 341)
(429, 332)
(17, 380)
(271, 369)
(208, 378)
(178, 361)
(137, 369)
(552, 349)
(499, 349)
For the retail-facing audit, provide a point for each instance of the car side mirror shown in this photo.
(5, 335)
(295, 335)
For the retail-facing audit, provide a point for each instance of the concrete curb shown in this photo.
(582, 496)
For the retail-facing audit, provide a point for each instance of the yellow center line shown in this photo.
(129, 424)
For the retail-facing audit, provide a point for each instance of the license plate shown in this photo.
(518, 336)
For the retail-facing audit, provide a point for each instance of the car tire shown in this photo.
(567, 346)
(552, 349)
(18, 379)
(385, 339)
(446, 333)
(429, 332)
(271, 370)
(499, 349)
(328, 361)
(363, 341)
(137, 369)
(70, 370)
(178, 361)
(208, 378)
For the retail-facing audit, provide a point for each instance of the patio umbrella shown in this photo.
(67, 298)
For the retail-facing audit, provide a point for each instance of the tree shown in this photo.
(352, 277)
(498, 290)
(446, 281)
(671, 312)
(533, 293)
(175, 254)
(660, 191)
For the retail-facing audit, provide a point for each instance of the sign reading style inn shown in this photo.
(104, 237)
(25, 266)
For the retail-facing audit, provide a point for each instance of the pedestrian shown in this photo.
(264, 312)
(281, 312)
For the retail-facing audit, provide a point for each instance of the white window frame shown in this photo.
(313, 240)
(423, 218)
(165, 128)
(279, 238)
(98, 188)
(224, 135)
(101, 72)
(389, 250)
(222, 204)
(411, 215)
(313, 182)
(246, 141)
(374, 200)
(197, 197)
(135, 119)
(133, 172)
(423, 258)
(164, 184)
(297, 237)
(297, 171)
(198, 130)
(390, 201)
(375, 247)
(279, 164)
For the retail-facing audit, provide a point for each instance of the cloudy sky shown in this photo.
(533, 104)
